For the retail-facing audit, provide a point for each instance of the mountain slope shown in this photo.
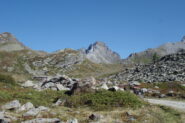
(9, 43)
(147, 55)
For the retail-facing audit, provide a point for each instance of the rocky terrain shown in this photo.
(169, 68)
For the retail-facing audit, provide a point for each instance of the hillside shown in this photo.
(24, 63)
(147, 55)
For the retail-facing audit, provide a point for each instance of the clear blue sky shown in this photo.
(126, 26)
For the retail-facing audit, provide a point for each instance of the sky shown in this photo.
(126, 26)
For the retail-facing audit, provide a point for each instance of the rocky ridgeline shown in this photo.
(168, 68)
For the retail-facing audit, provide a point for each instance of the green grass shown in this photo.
(7, 79)
(103, 100)
(100, 100)
(10, 92)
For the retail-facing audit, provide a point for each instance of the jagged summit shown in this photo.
(100, 53)
(9, 43)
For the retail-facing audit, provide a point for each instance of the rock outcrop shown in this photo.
(168, 68)
(100, 53)
(9, 43)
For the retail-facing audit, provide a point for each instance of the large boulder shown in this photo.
(13, 105)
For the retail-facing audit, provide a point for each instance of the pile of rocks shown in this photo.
(61, 83)
(28, 111)
(168, 68)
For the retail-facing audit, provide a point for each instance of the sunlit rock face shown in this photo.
(100, 53)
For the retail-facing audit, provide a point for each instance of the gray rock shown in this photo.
(6, 118)
(36, 111)
(95, 117)
(25, 107)
(58, 102)
(135, 83)
(144, 90)
(162, 96)
(28, 83)
(32, 112)
(43, 120)
(12, 105)
(72, 121)
(60, 87)
(104, 86)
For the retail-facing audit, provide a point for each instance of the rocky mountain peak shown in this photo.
(99, 52)
(9, 43)
(7, 37)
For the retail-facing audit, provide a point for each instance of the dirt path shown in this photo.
(174, 104)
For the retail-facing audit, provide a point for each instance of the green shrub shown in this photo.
(103, 100)
(7, 79)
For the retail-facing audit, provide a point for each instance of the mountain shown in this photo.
(24, 63)
(100, 53)
(9, 43)
(147, 55)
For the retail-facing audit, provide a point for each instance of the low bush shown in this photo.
(7, 79)
(103, 100)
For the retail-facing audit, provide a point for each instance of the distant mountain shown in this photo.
(9, 43)
(100, 53)
(147, 55)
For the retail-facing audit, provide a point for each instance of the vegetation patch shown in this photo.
(103, 100)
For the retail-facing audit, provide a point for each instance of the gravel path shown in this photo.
(174, 104)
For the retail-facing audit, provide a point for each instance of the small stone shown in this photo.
(72, 121)
(60, 87)
(95, 117)
(43, 120)
(25, 107)
(28, 83)
(104, 86)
